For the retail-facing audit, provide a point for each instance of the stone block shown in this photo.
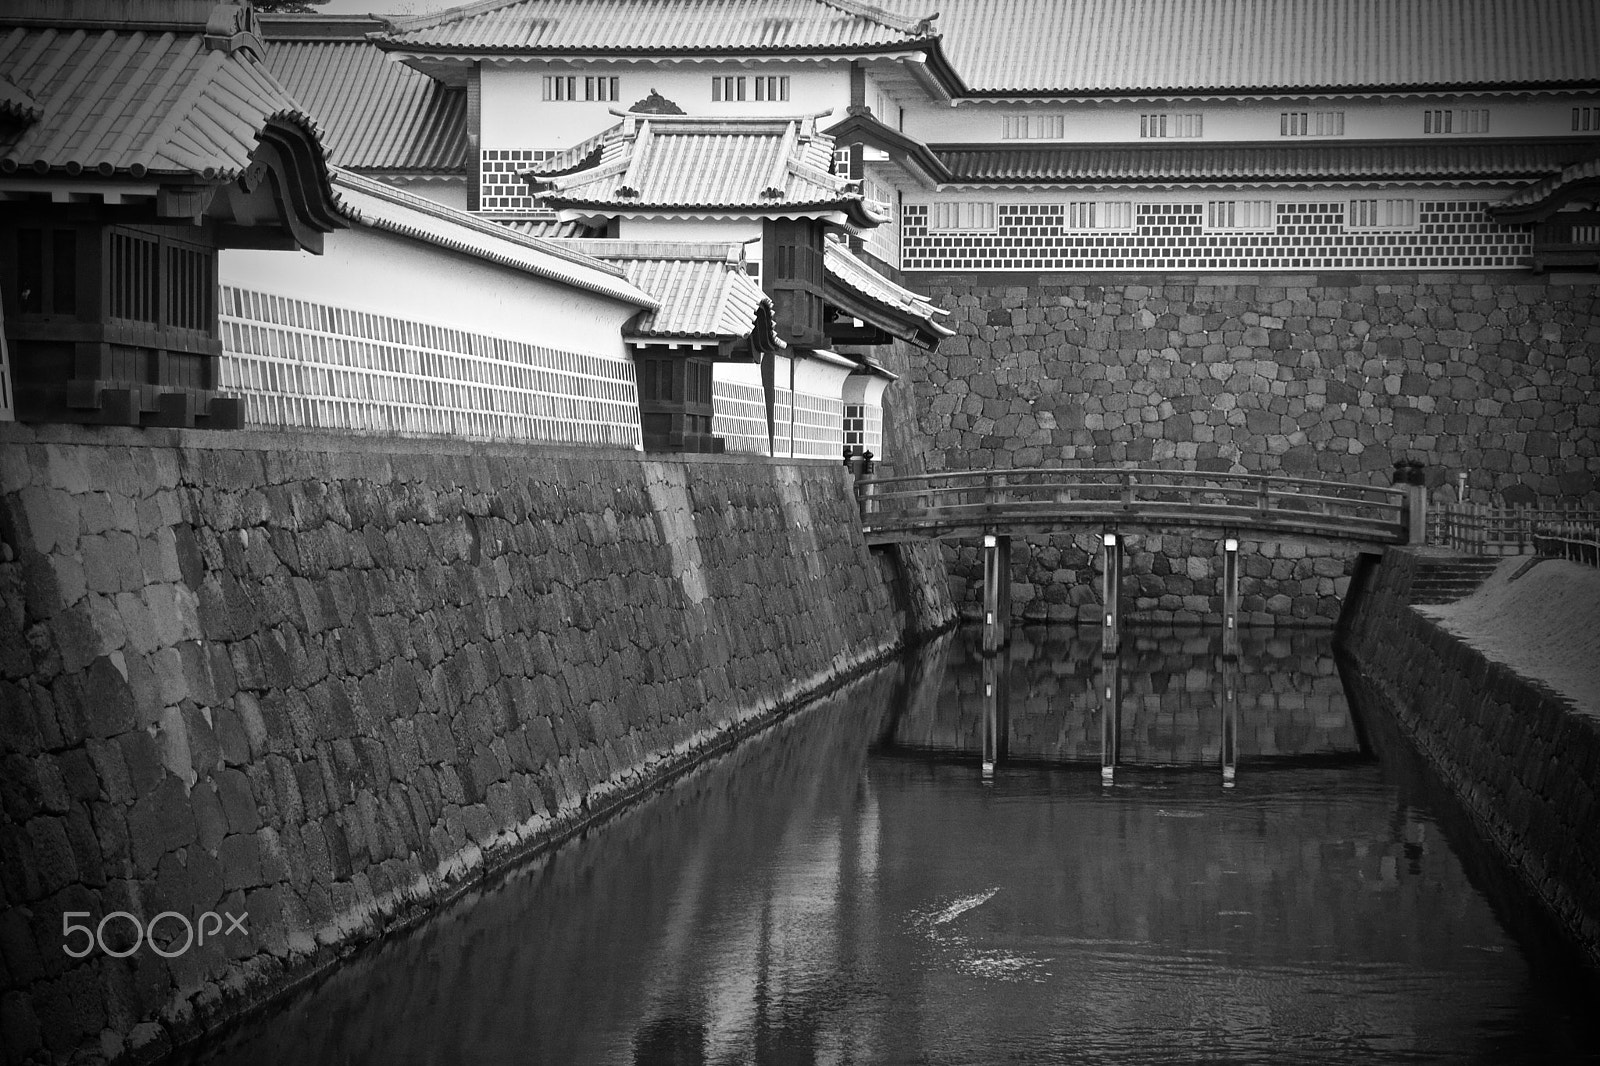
(50, 518)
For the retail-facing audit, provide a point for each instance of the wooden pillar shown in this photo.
(1110, 699)
(1110, 593)
(1230, 597)
(1230, 720)
(996, 592)
(1416, 514)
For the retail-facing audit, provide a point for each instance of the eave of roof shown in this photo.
(870, 296)
(653, 165)
(701, 288)
(861, 126)
(1209, 163)
(645, 27)
(380, 206)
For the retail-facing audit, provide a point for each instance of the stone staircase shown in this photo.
(1445, 580)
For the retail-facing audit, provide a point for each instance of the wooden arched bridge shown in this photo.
(1000, 503)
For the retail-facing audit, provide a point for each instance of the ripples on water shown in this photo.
(848, 888)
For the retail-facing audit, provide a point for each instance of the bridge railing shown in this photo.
(953, 501)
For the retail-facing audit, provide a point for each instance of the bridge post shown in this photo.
(996, 592)
(1110, 694)
(1230, 597)
(1230, 721)
(996, 712)
(1110, 593)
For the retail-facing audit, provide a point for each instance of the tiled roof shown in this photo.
(654, 27)
(670, 163)
(1153, 47)
(1205, 163)
(843, 267)
(117, 95)
(546, 227)
(16, 103)
(376, 114)
(702, 288)
(381, 206)
(1542, 198)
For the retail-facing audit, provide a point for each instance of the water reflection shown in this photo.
(1168, 699)
(847, 889)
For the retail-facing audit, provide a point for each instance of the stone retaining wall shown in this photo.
(1523, 761)
(1330, 376)
(328, 681)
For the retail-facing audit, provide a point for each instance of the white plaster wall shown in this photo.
(370, 270)
(515, 115)
(449, 193)
(818, 378)
(1241, 121)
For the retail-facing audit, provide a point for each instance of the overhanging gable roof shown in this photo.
(376, 115)
(705, 27)
(653, 164)
(1325, 162)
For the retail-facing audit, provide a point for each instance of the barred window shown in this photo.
(1455, 120)
(570, 87)
(1089, 214)
(1586, 119)
(1381, 214)
(1038, 127)
(1171, 124)
(773, 87)
(728, 88)
(962, 214)
(1311, 124)
(1239, 214)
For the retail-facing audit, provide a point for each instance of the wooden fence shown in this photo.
(1484, 529)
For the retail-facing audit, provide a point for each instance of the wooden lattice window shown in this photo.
(160, 280)
(47, 271)
(793, 276)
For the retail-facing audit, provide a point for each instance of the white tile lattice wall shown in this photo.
(499, 187)
(1449, 234)
(741, 419)
(302, 364)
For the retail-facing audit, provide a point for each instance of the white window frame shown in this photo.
(767, 85)
(1098, 215)
(1172, 124)
(729, 88)
(1455, 121)
(1380, 212)
(963, 216)
(1235, 215)
(582, 88)
(1311, 124)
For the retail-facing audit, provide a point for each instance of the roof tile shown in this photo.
(376, 114)
(120, 98)
(702, 287)
(1152, 47)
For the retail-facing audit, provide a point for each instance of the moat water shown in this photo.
(852, 886)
